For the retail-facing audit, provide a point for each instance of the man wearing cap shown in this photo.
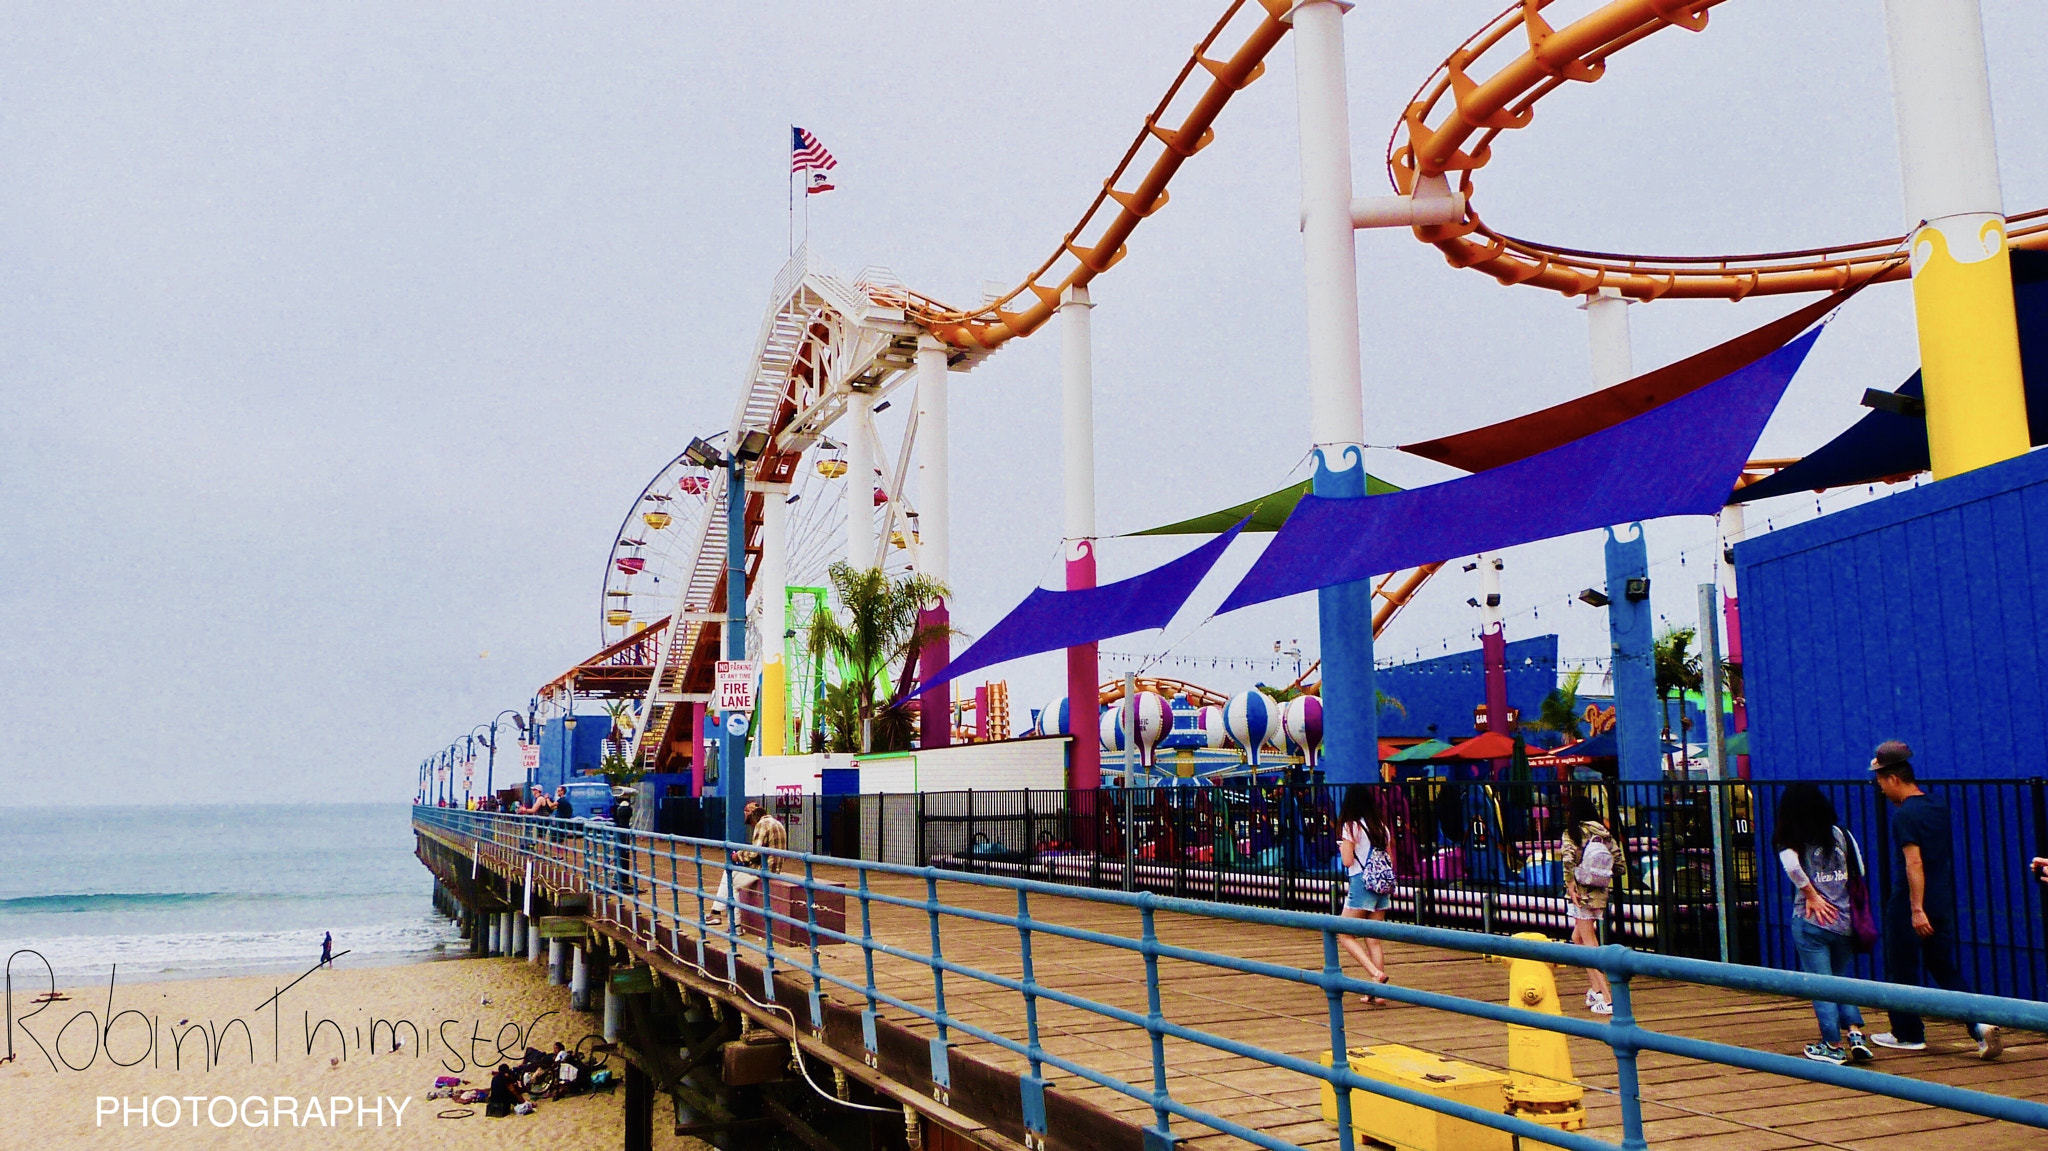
(1920, 916)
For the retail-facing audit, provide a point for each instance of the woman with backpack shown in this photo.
(1362, 841)
(1825, 865)
(1590, 859)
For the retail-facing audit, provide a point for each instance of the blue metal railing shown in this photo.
(610, 869)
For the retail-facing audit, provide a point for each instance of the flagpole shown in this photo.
(791, 179)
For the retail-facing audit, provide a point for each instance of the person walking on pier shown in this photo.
(1822, 860)
(1590, 859)
(1362, 841)
(764, 830)
(1920, 913)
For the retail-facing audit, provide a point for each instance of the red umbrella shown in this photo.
(1486, 745)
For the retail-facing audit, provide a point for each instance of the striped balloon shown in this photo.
(1250, 719)
(1302, 719)
(1112, 728)
(1154, 721)
(1210, 720)
(1052, 720)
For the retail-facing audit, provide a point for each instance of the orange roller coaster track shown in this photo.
(1442, 137)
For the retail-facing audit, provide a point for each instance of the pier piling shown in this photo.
(558, 962)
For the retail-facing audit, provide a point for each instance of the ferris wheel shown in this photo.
(655, 549)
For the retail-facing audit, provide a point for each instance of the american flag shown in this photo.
(806, 154)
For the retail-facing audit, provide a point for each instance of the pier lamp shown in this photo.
(491, 745)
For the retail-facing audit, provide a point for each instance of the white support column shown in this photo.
(1961, 260)
(1077, 441)
(1077, 415)
(1335, 379)
(533, 942)
(1607, 336)
(860, 479)
(771, 585)
(934, 470)
(558, 963)
(579, 980)
(518, 933)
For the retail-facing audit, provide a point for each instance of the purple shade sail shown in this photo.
(1051, 620)
(1681, 458)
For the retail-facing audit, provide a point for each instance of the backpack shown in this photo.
(1596, 864)
(1374, 868)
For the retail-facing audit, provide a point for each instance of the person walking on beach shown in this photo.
(1822, 860)
(1920, 913)
(1590, 859)
(1362, 842)
(327, 950)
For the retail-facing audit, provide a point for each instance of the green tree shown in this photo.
(1559, 711)
(875, 640)
(1678, 670)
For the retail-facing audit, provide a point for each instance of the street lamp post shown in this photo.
(491, 746)
(747, 446)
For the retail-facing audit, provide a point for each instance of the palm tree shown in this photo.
(1678, 670)
(1559, 711)
(882, 632)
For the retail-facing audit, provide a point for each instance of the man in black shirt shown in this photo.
(1920, 916)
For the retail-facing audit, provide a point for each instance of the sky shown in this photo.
(335, 340)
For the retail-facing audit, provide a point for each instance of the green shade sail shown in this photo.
(1424, 750)
(1267, 512)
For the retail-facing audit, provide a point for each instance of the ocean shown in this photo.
(187, 892)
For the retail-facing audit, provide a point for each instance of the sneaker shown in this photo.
(1599, 1004)
(1590, 994)
(1858, 1049)
(1826, 1053)
(1989, 1044)
(1887, 1039)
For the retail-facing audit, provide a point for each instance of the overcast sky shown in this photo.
(335, 340)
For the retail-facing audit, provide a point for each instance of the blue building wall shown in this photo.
(559, 762)
(1438, 695)
(1919, 617)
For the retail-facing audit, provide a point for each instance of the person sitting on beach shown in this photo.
(505, 1093)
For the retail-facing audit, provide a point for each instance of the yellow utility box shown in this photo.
(1413, 1128)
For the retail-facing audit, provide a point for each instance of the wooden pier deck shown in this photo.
(1688, 1106)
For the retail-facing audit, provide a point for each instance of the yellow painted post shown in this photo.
(1541, 1087)
(772, 714)
(1962, 267)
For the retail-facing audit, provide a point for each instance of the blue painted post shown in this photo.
(1627, 1086)
(942, 1074)
(1635, 673)
(1340, 1051)
(732, 758)
(1160, 1136)
(1032, 1086)
(1351, 718)
(867, 950)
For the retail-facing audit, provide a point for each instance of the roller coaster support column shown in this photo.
(1493, 646)
(1336, 402)
(1731, 528)
(1962, 268)
(732, 757)
(934, 532)
(860, 480)
(1077, 423)
(772, 714)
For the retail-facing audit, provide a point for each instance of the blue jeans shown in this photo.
(1824, 952)
(1914, 961)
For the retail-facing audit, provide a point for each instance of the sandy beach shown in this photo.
(239, 1077)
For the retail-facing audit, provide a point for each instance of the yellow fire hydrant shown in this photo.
(1541, 1087)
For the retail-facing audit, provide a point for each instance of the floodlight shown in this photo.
(753, 442)
(1637, 589)
(702, 454)
(1593, 597)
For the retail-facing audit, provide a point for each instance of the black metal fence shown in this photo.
(1476, 855)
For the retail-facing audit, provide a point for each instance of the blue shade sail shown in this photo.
(1681, 458)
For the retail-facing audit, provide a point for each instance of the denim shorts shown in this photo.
(1359, 899)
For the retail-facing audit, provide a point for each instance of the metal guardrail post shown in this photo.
(817, 969)
(768, 923)
(1032, 1086)
(867, 950)
(1161, 1137)
(942, 1077)
(1340, 1048)
(1627, 1085)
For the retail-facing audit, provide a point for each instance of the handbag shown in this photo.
(1862, 924)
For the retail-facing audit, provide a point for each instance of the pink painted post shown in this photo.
(934, 708)
(1084, 767)
(697, 746)
(1493, 647)
(1733, 615)
(981, 713)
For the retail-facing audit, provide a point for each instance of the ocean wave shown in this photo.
(122, 901)
(81, 959)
